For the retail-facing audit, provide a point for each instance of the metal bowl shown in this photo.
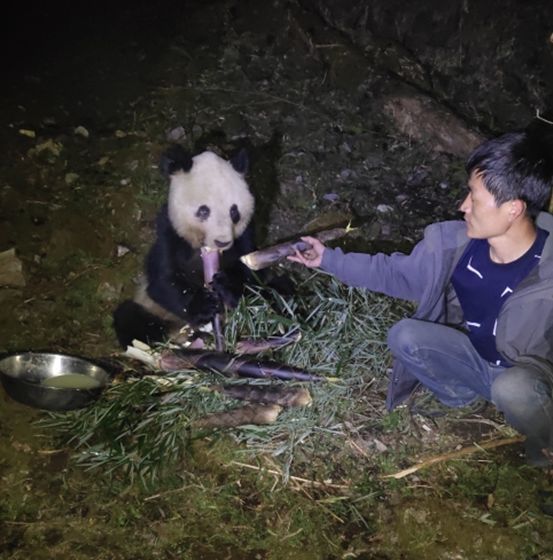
(26, 377)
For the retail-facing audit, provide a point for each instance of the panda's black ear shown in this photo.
(174, 159)
(241, 161)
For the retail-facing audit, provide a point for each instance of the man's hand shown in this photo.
(311, 258)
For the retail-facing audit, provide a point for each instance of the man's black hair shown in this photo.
(517, 165)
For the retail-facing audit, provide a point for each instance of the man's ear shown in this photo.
(517, 208)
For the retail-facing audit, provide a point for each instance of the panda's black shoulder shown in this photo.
(163, 223)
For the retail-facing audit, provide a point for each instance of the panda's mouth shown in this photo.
(222, 245)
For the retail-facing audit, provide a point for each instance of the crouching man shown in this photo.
(483, 326)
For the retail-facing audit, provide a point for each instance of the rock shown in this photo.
(121, 251)
(27, 132)
(425, 120)
(81, 131)
(384, 208)
(11, 270)
(176, 134)
(71, 178)
(108, 292)
(50, 148)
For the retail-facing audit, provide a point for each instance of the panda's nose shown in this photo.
(223, 244)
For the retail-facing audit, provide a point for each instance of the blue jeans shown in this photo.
(444, 360)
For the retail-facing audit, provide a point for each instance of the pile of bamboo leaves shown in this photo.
(145, 425)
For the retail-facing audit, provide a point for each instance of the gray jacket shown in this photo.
(524, 334)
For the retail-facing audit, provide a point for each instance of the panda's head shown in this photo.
(210, 203)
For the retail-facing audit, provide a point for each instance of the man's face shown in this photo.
(483, 217)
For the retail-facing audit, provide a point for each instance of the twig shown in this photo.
(294, 478)
(331, 46)
(490, 444)
(85, 270)
(540, 118)
(172, 491)
(498, 426)
(357, 448)
(52, 451)
(267, 96)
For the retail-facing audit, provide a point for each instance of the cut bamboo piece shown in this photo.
(277, 253)
(283, 396)
(232, 365)
(248, 414)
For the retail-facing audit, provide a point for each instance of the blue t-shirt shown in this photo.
(483, 286)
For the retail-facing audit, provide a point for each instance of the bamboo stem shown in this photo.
(294, 478)
(489, 444)
(231, 365)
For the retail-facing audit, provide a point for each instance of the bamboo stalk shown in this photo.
(489, 444)
(277, 253)
(231, 365)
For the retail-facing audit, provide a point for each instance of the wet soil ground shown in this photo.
(89, 103)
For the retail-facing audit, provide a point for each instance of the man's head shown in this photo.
(517, 166)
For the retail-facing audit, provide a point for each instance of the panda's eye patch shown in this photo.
(234, 214)
(203, 213)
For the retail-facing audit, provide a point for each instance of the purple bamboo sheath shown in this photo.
(233, 365)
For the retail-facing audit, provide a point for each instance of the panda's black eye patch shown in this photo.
(234, 214)
(203, 213)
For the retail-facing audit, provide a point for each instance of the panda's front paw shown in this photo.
(228, 289)
(203, 306)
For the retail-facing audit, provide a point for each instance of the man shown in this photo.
(483, 326)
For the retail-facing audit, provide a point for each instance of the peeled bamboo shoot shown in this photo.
(277, 253)
(210, 262)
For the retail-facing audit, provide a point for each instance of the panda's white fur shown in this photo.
(212, 181)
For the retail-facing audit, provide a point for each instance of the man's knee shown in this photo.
(402, 337)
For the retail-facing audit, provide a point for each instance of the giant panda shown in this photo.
(209, 205)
